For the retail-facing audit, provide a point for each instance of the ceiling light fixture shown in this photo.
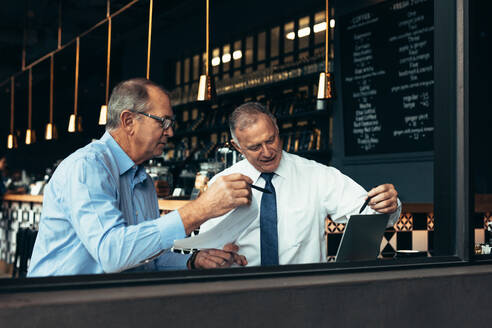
(12, 138)
(226, 58)
(30, 134)
(206, 89)
(237, 54)
(305, 31)
(324, 85)
(103, 114)
(51, 132)
(216, 61)
(320, 27)
(75, 122)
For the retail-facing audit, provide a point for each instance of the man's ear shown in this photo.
(236, 146)
(128, 121)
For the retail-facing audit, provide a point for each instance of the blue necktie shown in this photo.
(268, 224)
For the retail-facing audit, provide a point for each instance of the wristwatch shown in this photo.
(191, 260)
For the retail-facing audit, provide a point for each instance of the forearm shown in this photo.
(193, 215)
(124, 247)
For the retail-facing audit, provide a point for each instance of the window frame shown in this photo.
(451, 180)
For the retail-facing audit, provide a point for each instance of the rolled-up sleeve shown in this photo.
(98, 222)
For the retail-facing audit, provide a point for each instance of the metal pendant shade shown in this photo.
(75, 121)
(103, 113)
(206, 87)
(324, 83)
(30, 133)
(50, 132)
(12, 138)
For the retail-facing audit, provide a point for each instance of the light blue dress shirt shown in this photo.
(100, 214)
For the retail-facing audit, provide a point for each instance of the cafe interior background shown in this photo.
(378, 123)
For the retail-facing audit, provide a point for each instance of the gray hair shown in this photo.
(246, 115)
(129, 95)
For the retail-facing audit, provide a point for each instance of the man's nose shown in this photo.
(169, 132)
(267, 152)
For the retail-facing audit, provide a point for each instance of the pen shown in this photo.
(260, 189)
(365, 204)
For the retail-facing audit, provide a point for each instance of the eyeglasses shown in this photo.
(166, 121)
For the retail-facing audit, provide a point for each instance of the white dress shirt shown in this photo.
(307, 192)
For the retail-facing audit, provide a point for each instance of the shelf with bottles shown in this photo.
(292, 106)
(304, 122)
(286, 103)
(306, 67)
(194, 148)
(306, 138)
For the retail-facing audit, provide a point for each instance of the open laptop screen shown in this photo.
(362, 237)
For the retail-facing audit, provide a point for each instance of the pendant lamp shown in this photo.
(103, 113)
(75, 121)
(12, 138)
(30, 133)
(50, 132)
(324, 84)
(206, 88)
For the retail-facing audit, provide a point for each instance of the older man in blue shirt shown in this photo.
(100, 211)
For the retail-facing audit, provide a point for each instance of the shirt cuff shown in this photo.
(172, 261)
(171, 228)
(395, 215)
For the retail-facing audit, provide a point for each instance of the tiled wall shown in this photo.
(13, 216)
(480, 222)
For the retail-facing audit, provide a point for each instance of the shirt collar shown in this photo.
(282, 169)
(123, 161)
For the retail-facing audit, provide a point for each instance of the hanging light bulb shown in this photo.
(10, 141)
(206, 88)
(71, 123)
(30, 134)
(12, 138)
(50, 132)
(103, 113)
(75, 122)
(324, 84)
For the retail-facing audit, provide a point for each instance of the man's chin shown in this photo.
(158, 151)
(269, 167)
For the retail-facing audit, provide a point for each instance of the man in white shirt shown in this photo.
(305, 192)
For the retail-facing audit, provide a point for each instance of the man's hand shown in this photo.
(225, 194)
(216, 258)
(383, 198)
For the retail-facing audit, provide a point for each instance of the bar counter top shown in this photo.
(483, 203)
(164, 204)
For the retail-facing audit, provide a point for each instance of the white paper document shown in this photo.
(224, 232)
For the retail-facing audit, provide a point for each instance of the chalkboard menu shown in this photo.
(387, 55)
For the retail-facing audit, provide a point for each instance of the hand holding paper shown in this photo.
(225, 232)
(226, 193)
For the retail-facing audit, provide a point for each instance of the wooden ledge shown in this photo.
(483, 203)
(24, 198)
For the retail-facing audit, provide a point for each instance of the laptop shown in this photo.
(361, 240)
